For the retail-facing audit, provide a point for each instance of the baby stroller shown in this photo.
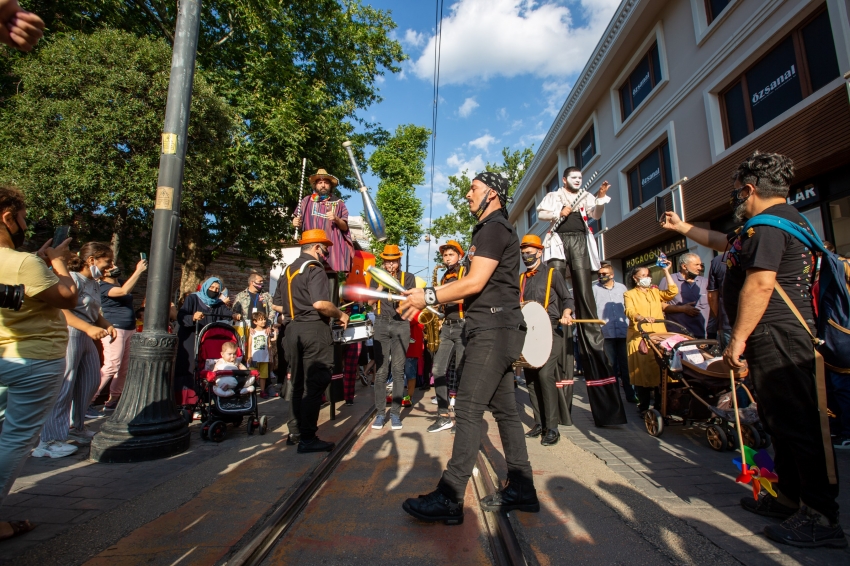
(695, 390)
(216, 411)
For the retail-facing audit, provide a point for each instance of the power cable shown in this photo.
(438, 41)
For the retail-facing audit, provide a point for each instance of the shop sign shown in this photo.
(669, 248)
(803, 196)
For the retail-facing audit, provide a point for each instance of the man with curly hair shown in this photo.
(778, 349)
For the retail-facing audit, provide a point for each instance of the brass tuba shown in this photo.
(431, 323)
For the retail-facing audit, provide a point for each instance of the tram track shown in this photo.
(504, 546)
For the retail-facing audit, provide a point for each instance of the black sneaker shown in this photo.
(435, 507)
(293, 439)
(767, 506)
(442, 423)
(315, 445)
(534, 432)
(514, 497)
(349, 403)
(804, 529)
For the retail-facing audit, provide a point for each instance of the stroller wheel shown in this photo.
(654, 423)
(205, 430)
(264, 424)
(217, 431)
(716, 437)
(751, 436)
(765, 439)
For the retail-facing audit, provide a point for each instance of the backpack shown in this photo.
(833, 320)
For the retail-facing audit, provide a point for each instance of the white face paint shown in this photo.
(574, 180)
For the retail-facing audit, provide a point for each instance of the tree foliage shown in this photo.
(459, 223)
(294, 74)
(399, 162)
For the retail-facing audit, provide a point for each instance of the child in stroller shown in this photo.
(226, 384)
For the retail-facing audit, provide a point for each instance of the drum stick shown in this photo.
(588, 321)
(300, 192)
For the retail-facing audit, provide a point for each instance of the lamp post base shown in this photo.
(146, 424)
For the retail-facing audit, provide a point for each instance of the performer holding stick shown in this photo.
(300, 197)
(572, 246)
(495, 335)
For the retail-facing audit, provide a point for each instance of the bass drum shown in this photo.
(538, 337)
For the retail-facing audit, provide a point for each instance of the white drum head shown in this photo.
(538, 338)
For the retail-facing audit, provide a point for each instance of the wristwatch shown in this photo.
(430, 296)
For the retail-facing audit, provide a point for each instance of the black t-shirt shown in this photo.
(117, 310)
(307, 288)
(534, 289)
(386, 309)
(494, 238)
(452, 311)
(765, 247)
(573, 223)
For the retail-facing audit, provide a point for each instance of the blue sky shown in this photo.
(506, 68)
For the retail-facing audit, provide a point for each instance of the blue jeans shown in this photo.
(411, 369)
(28, 390)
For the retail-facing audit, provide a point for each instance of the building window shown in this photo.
(644, 77)
(554, 184)
(714, 7)
(800, 64)
(531, 216)
(586, 148)
(651, 175)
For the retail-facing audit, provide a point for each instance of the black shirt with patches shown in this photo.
(494, 238)
(307, 288)
(765, 247)
(387, 310)
(533, 288)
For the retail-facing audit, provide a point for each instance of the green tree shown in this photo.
(458, 224)
(81, 135)
(399, 162)
(294, 73)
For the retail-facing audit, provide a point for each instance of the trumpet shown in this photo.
(433, 324)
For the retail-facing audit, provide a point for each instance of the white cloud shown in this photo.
(467, 107)
(502, 114)
(489, 38)
(413, 38)
(483, 142)
(440, 198)
(460, 164)
(556, 93)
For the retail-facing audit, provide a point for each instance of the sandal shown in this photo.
(18, 528)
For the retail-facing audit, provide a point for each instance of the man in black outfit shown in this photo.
(495, 335)
(546, 286)
(779, 350)
(308, 339)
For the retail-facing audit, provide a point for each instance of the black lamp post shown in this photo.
(146, 424)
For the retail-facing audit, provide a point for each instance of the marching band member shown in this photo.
(545, 285)
(572, 246)
(495, 332)
(308, 339)
(391, 338)
(451, 335)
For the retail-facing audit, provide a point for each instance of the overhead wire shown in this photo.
(438, 40)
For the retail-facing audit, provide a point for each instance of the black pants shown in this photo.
(782, 366)
(452, 340)
(392, 338)
(618, 358)
(542, 390)
(488, 384)
(310, 355)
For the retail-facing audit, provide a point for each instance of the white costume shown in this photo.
(588, 206)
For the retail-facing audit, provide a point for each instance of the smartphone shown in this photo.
(143, 256)
(60, 235)
(660, 209)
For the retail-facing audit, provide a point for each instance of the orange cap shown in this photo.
(452, 244)
(391, 252)
(315, 236)
(531, 240)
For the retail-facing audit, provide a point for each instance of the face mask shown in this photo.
(644, 282)
(690, 274)
(18, 237)
(529, 259)
(116, 272)
(213, 294)
(604, 278)
(737, 203)
(258, 287)
(323, 256)
(96, 273)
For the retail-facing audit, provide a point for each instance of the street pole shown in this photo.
(146, 424)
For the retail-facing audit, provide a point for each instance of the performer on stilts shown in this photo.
(572, 247)
(545, 284)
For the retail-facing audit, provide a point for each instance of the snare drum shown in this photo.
(357, 331)
(538, 337)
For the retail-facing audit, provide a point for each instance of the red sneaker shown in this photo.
(406, 402)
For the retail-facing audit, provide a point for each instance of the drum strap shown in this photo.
(548, 287)
(460, 305)
(289, 279)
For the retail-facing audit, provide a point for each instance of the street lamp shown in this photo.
(146, 424)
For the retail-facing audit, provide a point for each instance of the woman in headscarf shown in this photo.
(199, 309)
